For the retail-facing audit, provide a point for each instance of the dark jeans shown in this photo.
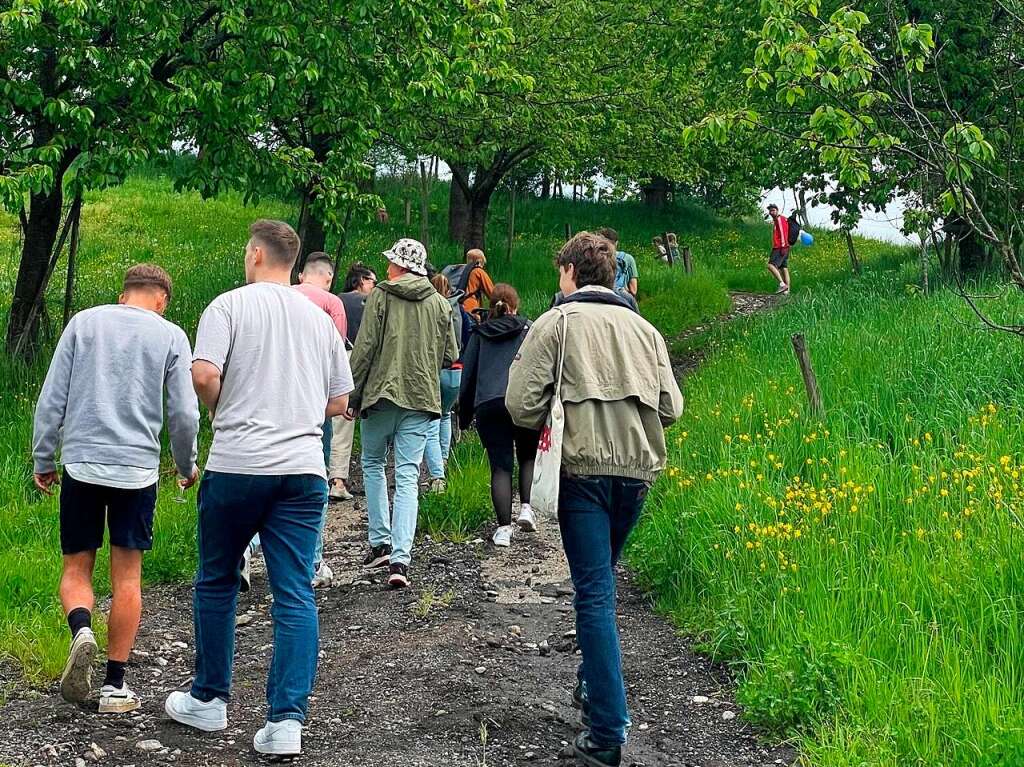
(285, 511)
(596, 515)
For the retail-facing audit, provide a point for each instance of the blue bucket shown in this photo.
(806, 238)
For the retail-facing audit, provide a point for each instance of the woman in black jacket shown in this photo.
(492, 346)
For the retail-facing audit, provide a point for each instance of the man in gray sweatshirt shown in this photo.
(103, 402)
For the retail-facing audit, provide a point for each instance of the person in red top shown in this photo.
(315, 284)
(778, 262)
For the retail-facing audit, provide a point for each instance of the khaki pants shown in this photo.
(341, 447)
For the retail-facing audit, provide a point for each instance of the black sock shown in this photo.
(115, 673)
(78, 619)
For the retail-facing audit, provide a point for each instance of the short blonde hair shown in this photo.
(476, 256)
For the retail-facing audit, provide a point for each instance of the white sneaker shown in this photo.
(76, 681)
(245, 570)
(437, 485)
(503, 536)
(526, 520)
(339, 491)
(323, 577)
(279, 738)
(208, 717)
(782, 288)
(117, 700)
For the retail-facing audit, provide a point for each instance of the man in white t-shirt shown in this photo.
(271, 367)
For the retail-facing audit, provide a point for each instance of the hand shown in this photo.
(185, 484)
(351, 414)
(45, 481)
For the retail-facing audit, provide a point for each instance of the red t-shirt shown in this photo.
(780, 233)
(327, 301)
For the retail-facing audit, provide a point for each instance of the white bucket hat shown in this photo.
(408, 254)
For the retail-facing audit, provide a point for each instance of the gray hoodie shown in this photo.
(105, 389)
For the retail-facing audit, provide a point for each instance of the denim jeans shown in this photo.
(439, 438)
(285, 511)
(406, 430)
(318, 553)
(595, 516)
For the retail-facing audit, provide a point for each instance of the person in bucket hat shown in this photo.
(405, 339)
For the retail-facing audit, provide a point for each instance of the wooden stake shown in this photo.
(69, 286)
(408, 212)
(854, 261)
(803, 357)
(342, 241)
(511, 221)
(424, 205)
(568, 231)
(687, 260)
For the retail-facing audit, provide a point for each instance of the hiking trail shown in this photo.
(472, 666)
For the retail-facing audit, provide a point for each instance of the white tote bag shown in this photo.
(548, 467)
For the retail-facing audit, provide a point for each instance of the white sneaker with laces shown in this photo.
(323, 576)
(782, 288)
(503, 536)
(527, 520)
(117, 700)
(279, 738)
(76, 680)
(208, 717)
(339, 491)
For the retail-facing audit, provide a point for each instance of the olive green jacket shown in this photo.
(406, 337)
(618, 389)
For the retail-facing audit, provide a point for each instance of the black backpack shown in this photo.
(458, 275)
(794, 229)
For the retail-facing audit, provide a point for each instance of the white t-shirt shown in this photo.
(109, 475)
(281, 359)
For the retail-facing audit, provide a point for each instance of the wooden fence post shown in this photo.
(424, 205)
(854, 261)
(408, 212)
(69, 285)
(687, 260)
(511, 221)
(803, 357)
(568, 231)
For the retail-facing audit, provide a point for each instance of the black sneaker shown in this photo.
(378, 556)
(580, 702)
(398, 576)
(590, 754)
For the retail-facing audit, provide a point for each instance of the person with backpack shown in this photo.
(406, 339)
(493, 345)
(472, 279)
(102, 403)
(619, 395)
(785, 232)
(627, 277)
(439, 437)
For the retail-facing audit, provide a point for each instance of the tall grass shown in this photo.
(864, 570)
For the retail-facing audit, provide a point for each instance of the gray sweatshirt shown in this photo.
(105, 389)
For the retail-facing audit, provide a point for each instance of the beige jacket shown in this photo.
(618, 388)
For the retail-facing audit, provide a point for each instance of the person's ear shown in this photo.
(162, 303)
(122, 299)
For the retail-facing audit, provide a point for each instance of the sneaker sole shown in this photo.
(272, 750)
(76, 681)
(526, 525)
(118, 705)
(398, 582)
(583, 758)
(198, 723)
(379, 562)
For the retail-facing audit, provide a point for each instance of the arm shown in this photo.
(182, 408)
(531, 377)
(206, 379)
(467, 389)
(670, 401)
(365, 349)
(51, 409)
(633, 287)
(341, 380)
(486, 283)
(336, 310)
(633, 275)
(451, 344)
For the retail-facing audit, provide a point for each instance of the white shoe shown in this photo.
(782, 288)
(279, 738)
(437, 485)
(339, 491)
(117, 700)
(245, 570)
(323, 577)
(208, 717)
(76, 681)
(526, 520)
(503, 536)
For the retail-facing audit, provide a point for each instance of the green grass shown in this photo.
(864, 571)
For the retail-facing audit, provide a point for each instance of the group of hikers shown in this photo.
(286, 371)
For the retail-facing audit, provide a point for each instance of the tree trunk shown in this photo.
(655, 192)
(476, 231)
(40, 235)
(545, 186)
(458, 208)
(424, 206)
(854, 260)
(311, 232)
(973, 257)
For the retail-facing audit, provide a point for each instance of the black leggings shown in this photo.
(504, 443)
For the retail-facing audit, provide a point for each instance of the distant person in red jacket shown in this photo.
(778, 262)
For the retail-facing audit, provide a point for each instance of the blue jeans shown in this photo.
(285, 511)
(318, 554)
(382, 427)
(595, 516)
(439, 438)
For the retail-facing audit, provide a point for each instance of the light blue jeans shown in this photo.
(439, 438)
(385, 426)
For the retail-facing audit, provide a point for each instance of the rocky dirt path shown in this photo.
(472, 666)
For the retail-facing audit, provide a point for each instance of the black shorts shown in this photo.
(86, 509)
(779, 258)
(502, 439)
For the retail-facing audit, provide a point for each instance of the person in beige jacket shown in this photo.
(619, 394)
